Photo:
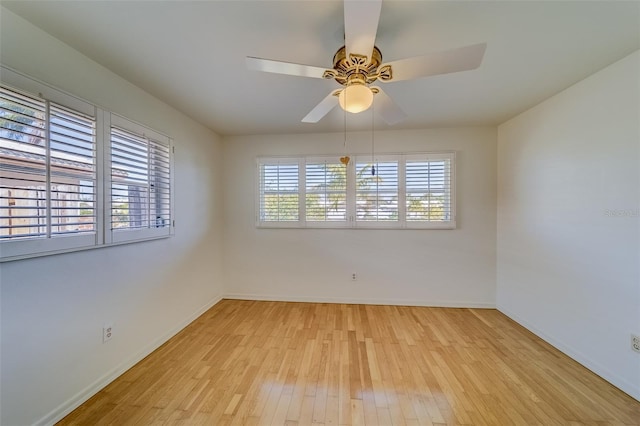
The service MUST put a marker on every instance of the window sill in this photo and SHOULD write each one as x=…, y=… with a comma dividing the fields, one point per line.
x=55, y=251
x=364, y=226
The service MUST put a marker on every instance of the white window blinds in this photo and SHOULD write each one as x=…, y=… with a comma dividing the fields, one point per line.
x=23, y=166
x=48, y=168
x=140, y=182
x=377, y=191
x=160, y=183
x=279, y=191
x=428, y=189
x=326, y=190
x=72, y=171
x=74, y=176
x=392, y=191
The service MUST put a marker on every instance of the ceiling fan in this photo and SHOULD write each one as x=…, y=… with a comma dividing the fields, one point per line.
x=358, y=64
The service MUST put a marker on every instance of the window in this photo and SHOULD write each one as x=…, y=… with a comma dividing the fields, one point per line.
x=23, y=163
x=48, y=163
x=428, y=188
x=377, y=191
x=72, y=170
x=52, y=158
x=393, y=191
x=325, y=191
x=140, y=182
x=47, y=173
x=279, y=191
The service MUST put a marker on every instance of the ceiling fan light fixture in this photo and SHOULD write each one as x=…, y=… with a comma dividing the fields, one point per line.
x=355, y=98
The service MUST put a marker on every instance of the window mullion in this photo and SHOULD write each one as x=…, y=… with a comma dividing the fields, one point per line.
x=100, y=194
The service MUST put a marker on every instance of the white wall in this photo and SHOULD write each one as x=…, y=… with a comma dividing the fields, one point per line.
x=416, y=267
x=566, y=269
x=53, y=308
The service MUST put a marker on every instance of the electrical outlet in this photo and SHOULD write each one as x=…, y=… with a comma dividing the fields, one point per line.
x=107, y=332
x=354, y=277
x=635, y=343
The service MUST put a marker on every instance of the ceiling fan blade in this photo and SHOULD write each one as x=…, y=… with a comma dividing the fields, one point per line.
x=360, y=26
x=323, y=108
x=387, y=108
x=454, y=60
x=279, y=67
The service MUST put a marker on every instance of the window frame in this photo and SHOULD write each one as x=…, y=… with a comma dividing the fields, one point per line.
x=333, y=159
x=351, y=193
x=376, y=224
x=115, y=236
x=434, y=156
x=102, y=236
x=301, y=198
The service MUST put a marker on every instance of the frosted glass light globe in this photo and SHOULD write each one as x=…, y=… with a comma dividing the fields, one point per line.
x=355, y=98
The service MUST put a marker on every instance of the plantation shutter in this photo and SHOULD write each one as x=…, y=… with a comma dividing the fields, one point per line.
x=325, y=190
x=23, y=166
x=377, y=191
x=72, y=171
x=160, y=184
x=428, y=188
x=58, y=154
x=279, y=191
x=140, y=184
x=129, y=180
x=48, y=164
x=393, y=191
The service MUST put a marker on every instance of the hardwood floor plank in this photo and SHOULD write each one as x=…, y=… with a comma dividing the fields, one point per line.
x=300, y=364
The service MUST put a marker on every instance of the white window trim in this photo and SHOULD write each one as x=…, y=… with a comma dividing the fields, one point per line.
x=103, y=236
x=441, y=155
x=114, y=236
x=351, y=222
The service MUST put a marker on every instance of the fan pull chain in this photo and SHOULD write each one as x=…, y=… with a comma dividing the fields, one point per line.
x=345, y=159
x=345, y=124
x=373, y=144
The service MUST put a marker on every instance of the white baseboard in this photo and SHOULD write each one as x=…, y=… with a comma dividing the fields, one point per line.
x=75, y=401
x=621, y=383
x=360, y=301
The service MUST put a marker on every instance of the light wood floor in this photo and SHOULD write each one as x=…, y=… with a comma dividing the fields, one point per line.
x=263, y=363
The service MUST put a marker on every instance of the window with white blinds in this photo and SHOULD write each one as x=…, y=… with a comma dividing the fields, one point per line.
x=392, y=191
x=377, y=191
x=279, y=185
x=48, y=168
x=140, y=182
x=54, y=150
x=23, y=166
x=140, y=193
x=325, y=190
x=72, y=159
x=428, y=188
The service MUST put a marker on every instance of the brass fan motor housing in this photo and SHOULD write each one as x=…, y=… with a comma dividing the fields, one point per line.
x=357, y=67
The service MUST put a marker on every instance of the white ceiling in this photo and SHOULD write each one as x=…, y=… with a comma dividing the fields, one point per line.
x=191, y=54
